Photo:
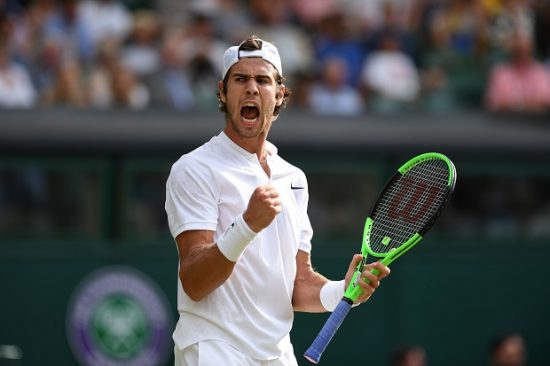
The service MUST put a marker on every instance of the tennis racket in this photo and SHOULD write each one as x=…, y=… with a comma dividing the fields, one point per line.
x=407, y=208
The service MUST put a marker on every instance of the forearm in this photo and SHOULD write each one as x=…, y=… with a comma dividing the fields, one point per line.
x=307, y=289
x=307, y=286
x=205, y=265
x=203, y=270
x=311, y=294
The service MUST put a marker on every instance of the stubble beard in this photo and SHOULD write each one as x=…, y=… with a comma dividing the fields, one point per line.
x=248, y=132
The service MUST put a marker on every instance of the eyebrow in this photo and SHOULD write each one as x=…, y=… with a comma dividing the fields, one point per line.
x=247, y=76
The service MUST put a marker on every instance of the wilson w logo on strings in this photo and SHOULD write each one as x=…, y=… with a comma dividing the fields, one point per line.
x=412, y=200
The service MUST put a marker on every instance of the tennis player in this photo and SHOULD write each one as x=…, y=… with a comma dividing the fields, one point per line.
x=238, y=213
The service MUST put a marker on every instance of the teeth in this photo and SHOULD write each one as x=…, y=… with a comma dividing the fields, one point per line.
x=250, y=105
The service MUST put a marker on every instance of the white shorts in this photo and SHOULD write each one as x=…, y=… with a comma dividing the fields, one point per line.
x=216, y=353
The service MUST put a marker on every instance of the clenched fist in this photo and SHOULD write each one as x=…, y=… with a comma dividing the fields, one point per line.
x=263, y=206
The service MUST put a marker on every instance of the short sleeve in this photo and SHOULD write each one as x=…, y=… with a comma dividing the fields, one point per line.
x=302, y=199
x=191, y=198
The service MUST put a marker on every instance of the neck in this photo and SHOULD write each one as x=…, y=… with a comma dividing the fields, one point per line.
x=254, y=144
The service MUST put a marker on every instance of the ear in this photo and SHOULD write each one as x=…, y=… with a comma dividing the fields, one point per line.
x=280, y=95
x=223, y=97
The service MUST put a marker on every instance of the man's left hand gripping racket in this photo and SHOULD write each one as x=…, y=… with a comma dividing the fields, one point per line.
x=406, y=209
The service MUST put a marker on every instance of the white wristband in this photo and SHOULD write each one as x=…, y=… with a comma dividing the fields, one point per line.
x=235, y=239
x=331, y=294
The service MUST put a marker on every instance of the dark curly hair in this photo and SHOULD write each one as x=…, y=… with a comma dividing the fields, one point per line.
x=251, y=44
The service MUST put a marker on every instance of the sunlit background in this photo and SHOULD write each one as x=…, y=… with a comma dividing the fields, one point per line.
x=99, y=98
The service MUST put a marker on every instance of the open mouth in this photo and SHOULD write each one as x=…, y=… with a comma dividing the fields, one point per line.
x=250, y=112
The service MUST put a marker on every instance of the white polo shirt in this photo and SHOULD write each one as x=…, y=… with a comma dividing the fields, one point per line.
x=206, y=190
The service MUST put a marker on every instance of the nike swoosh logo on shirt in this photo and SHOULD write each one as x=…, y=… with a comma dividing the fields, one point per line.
x=294, y=187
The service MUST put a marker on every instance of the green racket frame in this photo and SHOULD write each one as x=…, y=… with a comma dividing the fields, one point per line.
x=353, y=291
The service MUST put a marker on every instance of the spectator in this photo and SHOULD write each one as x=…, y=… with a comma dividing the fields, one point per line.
x=450, y=42
x=272, y=22
x=514, y=17
x=170, y=85
x=507, y=350
x=68, y=87
x=301, y=93
x=106, y=19
x=331, y=95
x=27, y=38
x=461, y=26
x=390, y=76
x=309, y=13
x=457, y=32
x=16, y=88
x=372, y=14
x=111, y=84
x=66, y=26
x=128, y=91
x=436, y=90
x=336, y=38
x=46, y=63
x=392, y=22
x=140, y=54
x=408, y=356
x=232, y=21
x=201, y=53
x=99, y=80
x=521, y=84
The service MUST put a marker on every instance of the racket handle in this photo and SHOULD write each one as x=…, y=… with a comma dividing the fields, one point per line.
x=315, y=351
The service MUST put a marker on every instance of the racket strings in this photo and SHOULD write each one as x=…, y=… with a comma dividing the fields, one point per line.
x=409, y=204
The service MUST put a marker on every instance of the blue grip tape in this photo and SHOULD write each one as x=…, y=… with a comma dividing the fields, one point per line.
x=315, y=351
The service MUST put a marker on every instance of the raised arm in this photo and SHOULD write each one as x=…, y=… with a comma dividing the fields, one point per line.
x=205, y=265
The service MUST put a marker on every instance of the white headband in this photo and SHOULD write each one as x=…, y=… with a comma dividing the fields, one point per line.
x=267, y=52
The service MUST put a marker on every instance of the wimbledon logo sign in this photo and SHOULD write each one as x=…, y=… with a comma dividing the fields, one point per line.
x=118, y=316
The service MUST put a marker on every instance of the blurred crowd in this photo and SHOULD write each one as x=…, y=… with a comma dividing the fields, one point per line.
x=340, y=57
x=505, y=349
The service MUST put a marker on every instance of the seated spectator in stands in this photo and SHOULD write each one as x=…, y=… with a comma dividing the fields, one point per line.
x=521, y=84
x=436, y=91
x=106, y=19
x=201, y=53
x=331, y=95
x=140, y=53
x=128, y=91
x=308, y=13
x=507, y=350
x=68, y=86
x=66, y=26
x=461, y=25
x=514, y=17
x=27, y=37
x=373, y=14
x=232, y=21
x=111, y=84
x=408, y=356
x=272, y=22
x=392, y=21
x=457, y=45
x=335, y=37
x=16, y=88
x=390, y=76
x=301, y=92
x=170, y=86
